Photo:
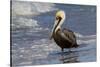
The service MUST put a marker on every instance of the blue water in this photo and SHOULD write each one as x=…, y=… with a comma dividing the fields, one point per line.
x=31, y=44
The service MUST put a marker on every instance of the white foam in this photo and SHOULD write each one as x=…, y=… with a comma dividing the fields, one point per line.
x=19, y=22
x=85, y=39
x=84, y=36
x=45, y=43
x=91, y=41
x=21, y=10
x=31, y=8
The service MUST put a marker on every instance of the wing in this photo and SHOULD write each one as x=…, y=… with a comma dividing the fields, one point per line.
x=71, y=36
x=68, y=35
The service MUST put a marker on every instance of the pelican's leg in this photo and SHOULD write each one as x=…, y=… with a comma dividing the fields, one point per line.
x=62, y=49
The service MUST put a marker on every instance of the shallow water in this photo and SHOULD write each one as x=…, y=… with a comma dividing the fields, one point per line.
x=30, y=34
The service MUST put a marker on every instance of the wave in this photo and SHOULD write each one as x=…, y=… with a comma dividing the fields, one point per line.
x=31, y=8
x=41, y=48
x=78, y=35
x=21, y=21
x=22, y=13
x=51, y=45
x=85, y=39
x=44, y=48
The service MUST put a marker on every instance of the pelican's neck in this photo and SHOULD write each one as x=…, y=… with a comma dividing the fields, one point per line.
x=59, y=25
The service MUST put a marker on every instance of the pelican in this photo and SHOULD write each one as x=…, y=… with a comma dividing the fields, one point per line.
x=64, y=38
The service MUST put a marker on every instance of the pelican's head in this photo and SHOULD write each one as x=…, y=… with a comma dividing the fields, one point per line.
x=59, y=19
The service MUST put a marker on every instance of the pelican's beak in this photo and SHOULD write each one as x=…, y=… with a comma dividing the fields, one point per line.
x=54, y=28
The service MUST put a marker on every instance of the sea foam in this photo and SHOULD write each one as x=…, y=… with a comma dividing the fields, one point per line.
x=23, y=13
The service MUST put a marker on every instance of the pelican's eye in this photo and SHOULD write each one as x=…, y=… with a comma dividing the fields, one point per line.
x=58, y=18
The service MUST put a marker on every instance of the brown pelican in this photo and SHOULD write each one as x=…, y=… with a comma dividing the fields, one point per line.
x=64, y=38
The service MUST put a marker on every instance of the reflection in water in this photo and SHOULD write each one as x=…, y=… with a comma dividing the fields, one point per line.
x=69, y=57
